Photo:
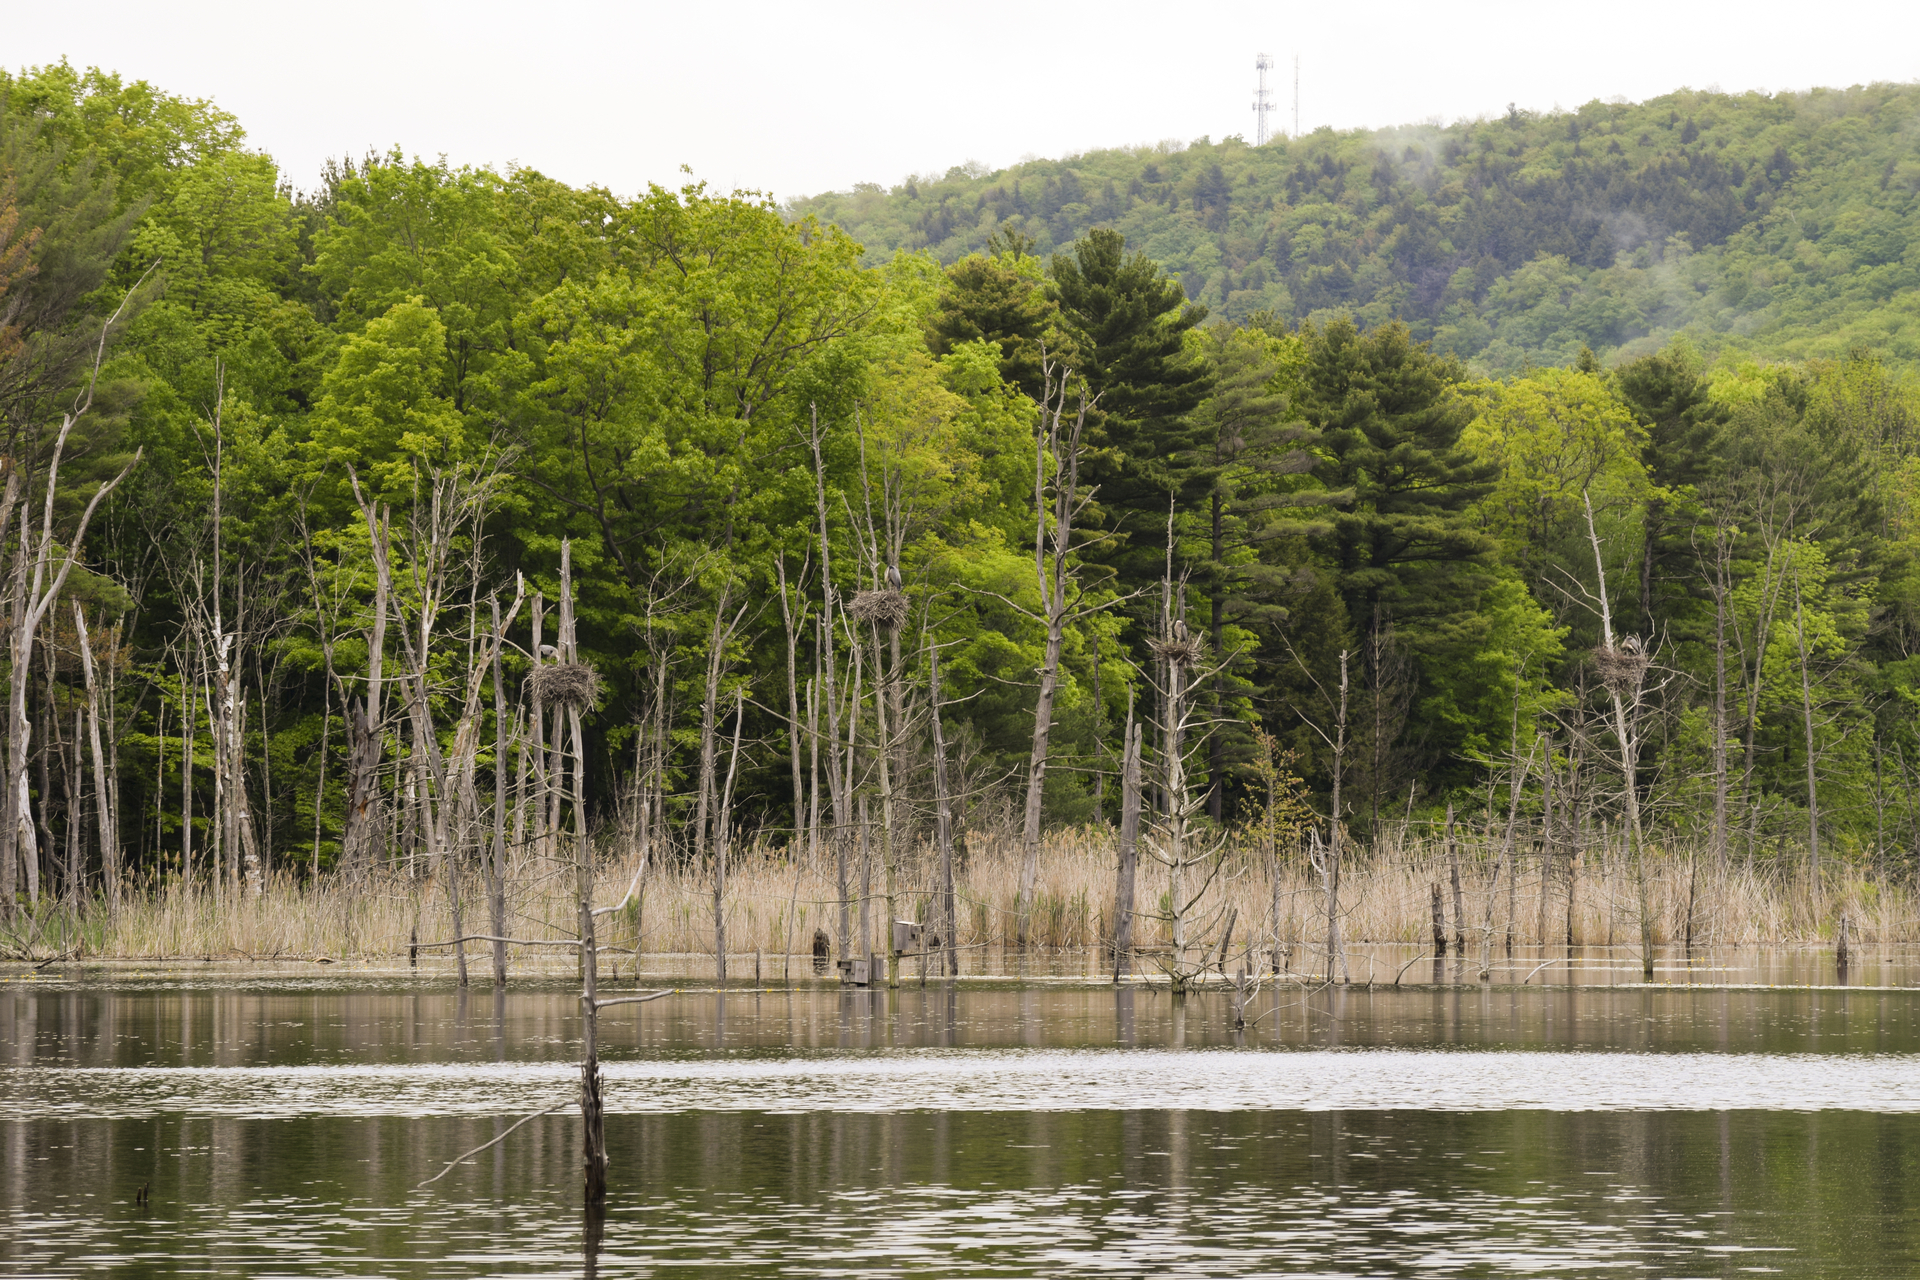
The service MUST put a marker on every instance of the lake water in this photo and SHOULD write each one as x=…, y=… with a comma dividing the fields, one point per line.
x=282, y=1122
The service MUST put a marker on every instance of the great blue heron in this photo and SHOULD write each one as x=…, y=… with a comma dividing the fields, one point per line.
x=893, y=577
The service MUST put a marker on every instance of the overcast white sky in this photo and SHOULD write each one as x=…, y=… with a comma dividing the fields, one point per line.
x=797, y=98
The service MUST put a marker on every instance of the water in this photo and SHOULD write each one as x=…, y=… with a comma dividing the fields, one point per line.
x=283, y=1122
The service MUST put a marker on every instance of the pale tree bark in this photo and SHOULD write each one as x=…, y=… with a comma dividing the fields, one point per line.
x=497, y=897
x=1336, y=953
x=948, y=921
x=108, y=827
x=1129, y=850
x=38, y=581
x=840, y=792
x=1623, y=679
x=1193, y=858
x=1057, y=500
x=793, y=625
x=722, y=843
x=366, y=720
x=592, y=1108
x=1806, y=712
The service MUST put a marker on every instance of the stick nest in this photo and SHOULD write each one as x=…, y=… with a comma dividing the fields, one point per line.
x=1623, y=666
x=884, y=609
x=565, y=684
x=1180, y=649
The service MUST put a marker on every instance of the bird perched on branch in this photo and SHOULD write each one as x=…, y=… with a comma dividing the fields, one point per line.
x=548, y=652
x=893, y=577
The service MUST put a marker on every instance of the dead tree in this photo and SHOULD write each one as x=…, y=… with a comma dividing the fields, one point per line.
x=1623, y=670
x=1193, y=859
x=722, y=833
x=945, y=915
x=839, y=782
x=1327, y=859
x=107, y=826
x=38, y=581
x=1129, y=850
x=1057, y=501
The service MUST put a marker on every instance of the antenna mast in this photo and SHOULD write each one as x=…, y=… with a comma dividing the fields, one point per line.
x=1262, y=101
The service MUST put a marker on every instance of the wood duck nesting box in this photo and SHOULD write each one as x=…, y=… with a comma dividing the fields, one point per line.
x=908, y=937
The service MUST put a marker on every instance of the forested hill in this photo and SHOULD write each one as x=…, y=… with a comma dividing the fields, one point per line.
x=1783, y=226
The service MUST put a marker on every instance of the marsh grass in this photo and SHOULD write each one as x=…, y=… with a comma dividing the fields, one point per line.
x=775, y=904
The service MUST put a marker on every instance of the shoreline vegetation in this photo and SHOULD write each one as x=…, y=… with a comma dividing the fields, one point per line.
x=775, y=905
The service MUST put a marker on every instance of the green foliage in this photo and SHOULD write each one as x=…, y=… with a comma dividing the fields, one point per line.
x=1778, y=225
x=1355, y=394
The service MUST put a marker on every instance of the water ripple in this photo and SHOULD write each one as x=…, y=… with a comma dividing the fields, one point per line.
x=961, y=1080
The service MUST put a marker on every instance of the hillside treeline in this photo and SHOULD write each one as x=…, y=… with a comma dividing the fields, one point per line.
x=1778, y=226
x=285, y=472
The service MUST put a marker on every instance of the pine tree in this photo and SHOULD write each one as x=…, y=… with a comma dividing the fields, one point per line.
x=1390, y=429
x=1130, y=320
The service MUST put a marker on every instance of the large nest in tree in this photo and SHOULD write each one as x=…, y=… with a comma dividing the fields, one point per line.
x=1180, y=649
x=884, y=609
x=565, y=684
x=1623, y=666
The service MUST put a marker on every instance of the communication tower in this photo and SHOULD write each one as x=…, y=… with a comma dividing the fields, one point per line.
x=1262, y=101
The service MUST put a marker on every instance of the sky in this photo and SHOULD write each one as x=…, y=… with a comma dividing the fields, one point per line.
x=793, y=99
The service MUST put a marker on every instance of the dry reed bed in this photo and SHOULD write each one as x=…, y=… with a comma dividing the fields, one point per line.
x=775, y=905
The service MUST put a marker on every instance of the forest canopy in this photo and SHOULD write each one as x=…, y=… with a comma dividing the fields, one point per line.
x=1586, y=441
x=1782, y=226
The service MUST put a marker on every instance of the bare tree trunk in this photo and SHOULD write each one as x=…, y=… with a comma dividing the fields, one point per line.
x=1459, y=902
x=1516, y=782
x=1336, y=954
x=830, y=673
x=364, y=725
x=189, y=717
x=1056, y=446
x=102, y=796
x=866, y=888
x=945, y=915
x=1546, y=834
x=1129, y=851
x=709, y=721
x=1625, y=731
x=883, y=735
x=722, y=838
x=497, y=895
x=792, y=627
x=32, y=598
x=1806, y=712
x=592, y=1108
x=34, y=594
x=1721, y=591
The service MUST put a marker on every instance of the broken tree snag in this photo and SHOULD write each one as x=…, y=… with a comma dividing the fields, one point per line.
x=570, y=686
